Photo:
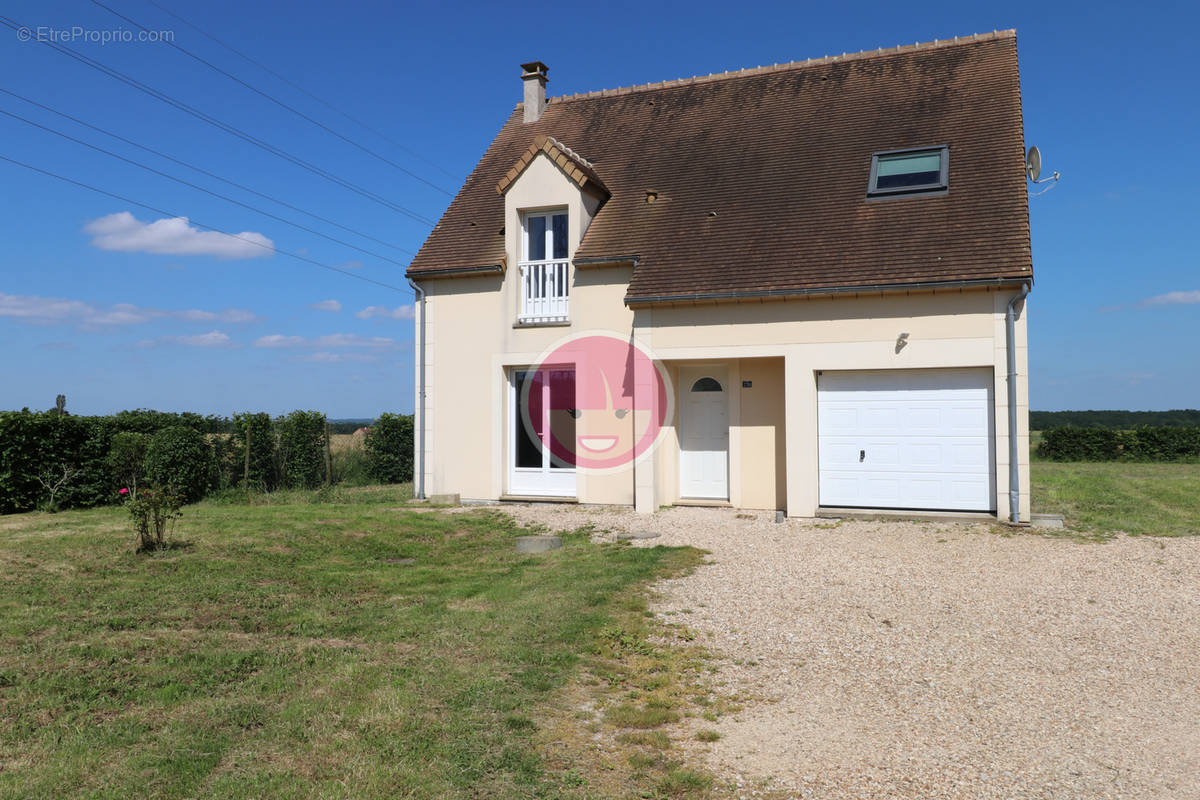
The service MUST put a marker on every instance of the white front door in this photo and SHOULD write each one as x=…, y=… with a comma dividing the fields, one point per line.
x=703, y=434
x=907, y=439
x=541, y=432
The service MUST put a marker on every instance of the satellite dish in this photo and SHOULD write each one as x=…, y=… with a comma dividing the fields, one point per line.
x=1033, y=164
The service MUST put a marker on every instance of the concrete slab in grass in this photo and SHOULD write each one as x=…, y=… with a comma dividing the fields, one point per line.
x=538, y=544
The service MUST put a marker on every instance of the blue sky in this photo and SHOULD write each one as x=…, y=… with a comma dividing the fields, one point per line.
x=116, y=312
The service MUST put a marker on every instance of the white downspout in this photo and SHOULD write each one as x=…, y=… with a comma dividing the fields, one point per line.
x=1014, y=472
x=420, y=476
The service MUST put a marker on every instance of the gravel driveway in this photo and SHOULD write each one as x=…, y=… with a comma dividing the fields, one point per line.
x=931, y=660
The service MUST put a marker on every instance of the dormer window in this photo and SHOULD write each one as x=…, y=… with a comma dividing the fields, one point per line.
x=909, y=171
x=545, y=236
x=544, y=272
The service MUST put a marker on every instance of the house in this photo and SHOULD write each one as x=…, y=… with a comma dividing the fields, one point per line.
x=794, y=287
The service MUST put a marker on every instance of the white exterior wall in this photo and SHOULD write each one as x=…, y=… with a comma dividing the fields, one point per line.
x=472, y=339
x=946, y=329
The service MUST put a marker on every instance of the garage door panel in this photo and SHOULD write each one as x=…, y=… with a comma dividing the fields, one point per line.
x=843, y=454
x=907, y=439
x=841, y=419
x=924, y=419
x=927, y=454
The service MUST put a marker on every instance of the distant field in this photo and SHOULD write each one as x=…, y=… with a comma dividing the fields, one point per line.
x=1112, y=497
x=339, y=442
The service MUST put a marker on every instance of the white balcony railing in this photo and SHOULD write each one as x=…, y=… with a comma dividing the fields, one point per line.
x=544, y=292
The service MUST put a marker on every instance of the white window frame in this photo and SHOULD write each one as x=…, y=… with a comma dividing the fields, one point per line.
x=549, y=215
x=547, y=309
x=543, y=480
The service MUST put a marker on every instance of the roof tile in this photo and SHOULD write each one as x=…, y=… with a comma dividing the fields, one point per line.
x=782, y=155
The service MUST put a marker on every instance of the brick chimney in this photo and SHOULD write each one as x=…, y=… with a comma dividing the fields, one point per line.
x=534, y=76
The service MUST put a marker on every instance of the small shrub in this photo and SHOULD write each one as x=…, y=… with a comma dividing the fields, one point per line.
x=389, y=447
x=152, y=511
x=178, y=458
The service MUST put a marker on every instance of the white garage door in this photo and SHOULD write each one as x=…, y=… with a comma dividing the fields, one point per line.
x=907, y=439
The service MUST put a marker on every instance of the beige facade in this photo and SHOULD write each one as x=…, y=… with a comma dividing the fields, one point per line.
x=770, y=354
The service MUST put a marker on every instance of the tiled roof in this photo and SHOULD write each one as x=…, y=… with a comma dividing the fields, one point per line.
x=573, y=165
x=761, y=175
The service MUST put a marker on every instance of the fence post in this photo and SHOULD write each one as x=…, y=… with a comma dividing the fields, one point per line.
x=328, y=457
x=246, y=476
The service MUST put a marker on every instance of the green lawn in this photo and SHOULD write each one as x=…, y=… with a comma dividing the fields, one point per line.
x=315, y=649
x=1106, y=498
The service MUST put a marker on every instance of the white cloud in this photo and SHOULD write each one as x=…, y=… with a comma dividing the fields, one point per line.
x=279, y=340
x=400, y=312
x=353, y=340
x=125, y=233
x=328, y=342
x=60, y=311
x=1172, y=299
x=228, y=315
x=324, y=357
x=327, y=305
x=212, y=339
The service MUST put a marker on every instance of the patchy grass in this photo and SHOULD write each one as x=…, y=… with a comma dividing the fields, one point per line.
x=1107, y=498
x=316, y=645
x=645, y=682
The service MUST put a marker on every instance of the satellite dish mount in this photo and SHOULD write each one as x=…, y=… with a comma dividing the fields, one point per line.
x=1033, y=171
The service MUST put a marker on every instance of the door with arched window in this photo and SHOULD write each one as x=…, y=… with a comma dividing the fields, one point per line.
x=703, y=433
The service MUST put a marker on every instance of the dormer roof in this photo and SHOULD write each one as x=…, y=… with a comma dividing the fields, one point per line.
x=573, y=165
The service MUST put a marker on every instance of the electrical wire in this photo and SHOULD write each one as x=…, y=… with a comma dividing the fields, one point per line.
x=156, y=210
x=220, y=125
x=301, y=89
x=197, y=187
x=201, y=170
x=278, y=102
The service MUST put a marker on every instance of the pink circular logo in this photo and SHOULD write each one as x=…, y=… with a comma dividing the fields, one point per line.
x=596, y=401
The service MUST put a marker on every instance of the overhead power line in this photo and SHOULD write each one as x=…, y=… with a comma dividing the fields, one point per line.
x=148, y=168
x=278, y=102
x=224, y=126
x=165, y=213
x=302, y=90
x=201, y=170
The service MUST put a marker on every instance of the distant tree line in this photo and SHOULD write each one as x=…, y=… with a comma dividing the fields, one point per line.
x=51, y=459
x=1121, y=420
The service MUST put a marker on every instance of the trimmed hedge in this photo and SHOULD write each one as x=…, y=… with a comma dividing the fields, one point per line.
x=389, y=448
x=1144, y=443
x=264, y=473
x=180, y=458
x=195, y=454
x=301, y=449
